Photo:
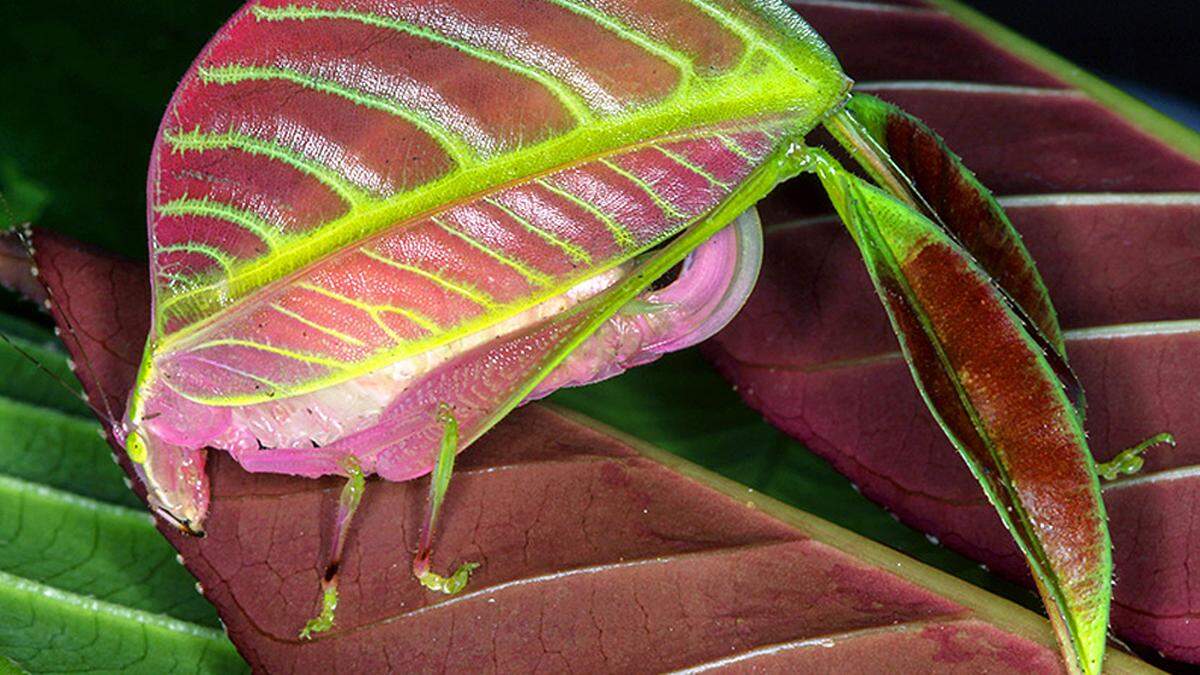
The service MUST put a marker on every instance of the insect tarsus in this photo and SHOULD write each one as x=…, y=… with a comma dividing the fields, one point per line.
x=438, y=483
x=348, y=502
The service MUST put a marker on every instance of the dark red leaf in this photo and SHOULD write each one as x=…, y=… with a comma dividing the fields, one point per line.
x=107, y=337
x=1086, y=189
x=598, y=554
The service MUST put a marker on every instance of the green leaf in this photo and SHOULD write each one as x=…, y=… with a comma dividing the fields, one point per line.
x=43, y=629
x=86, y=581
x=21, y=199
x=61, y=451
x=40, y=376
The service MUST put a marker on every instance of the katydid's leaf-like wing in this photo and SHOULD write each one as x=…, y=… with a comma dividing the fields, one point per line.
x=1105, y=196
x=990, y=386
x=452, y=276
x=341, y=185
x=598, y=553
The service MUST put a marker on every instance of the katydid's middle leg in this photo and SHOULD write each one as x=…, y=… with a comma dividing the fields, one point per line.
x=347, y=504
x=439, y=481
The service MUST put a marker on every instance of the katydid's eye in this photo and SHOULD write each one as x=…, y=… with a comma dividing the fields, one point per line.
x=135, y=447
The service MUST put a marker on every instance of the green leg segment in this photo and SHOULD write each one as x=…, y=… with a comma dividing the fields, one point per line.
x=1130, y=461
x=438, y=483
x=876, y=161
x=348, y=502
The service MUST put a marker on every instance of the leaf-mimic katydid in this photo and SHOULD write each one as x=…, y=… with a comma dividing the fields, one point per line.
x=377, y=226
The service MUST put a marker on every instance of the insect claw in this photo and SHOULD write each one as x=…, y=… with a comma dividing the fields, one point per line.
x=450, y=585
x=324, y=620
x=1130, y=461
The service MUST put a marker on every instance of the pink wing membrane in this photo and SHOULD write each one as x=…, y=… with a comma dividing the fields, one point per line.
x=403, y=443
x=422, y=284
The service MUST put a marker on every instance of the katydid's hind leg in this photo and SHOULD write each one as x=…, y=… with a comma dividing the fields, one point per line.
x=439, y=480
x=347, y=504
x=1129, y=461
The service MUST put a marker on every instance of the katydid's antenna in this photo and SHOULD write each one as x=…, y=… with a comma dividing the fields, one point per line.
x=41, y=366
x=23, y=235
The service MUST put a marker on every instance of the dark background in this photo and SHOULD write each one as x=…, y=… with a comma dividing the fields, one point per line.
x=1148, y=47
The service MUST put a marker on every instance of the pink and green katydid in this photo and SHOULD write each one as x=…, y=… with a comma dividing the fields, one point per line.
x=377, y=227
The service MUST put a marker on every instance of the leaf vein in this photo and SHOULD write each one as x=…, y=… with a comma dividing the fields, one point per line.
x=569, y=99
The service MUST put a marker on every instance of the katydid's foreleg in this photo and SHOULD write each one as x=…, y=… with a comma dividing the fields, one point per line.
x=438, y=482
x=347, y=504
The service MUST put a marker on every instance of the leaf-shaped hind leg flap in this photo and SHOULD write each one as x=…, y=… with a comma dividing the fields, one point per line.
x=989, y=384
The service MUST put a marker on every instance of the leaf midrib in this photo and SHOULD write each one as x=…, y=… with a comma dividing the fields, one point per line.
x=573, y=148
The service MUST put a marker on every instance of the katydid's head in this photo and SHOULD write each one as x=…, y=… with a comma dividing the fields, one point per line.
x=170, y=468
x=176, y=486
